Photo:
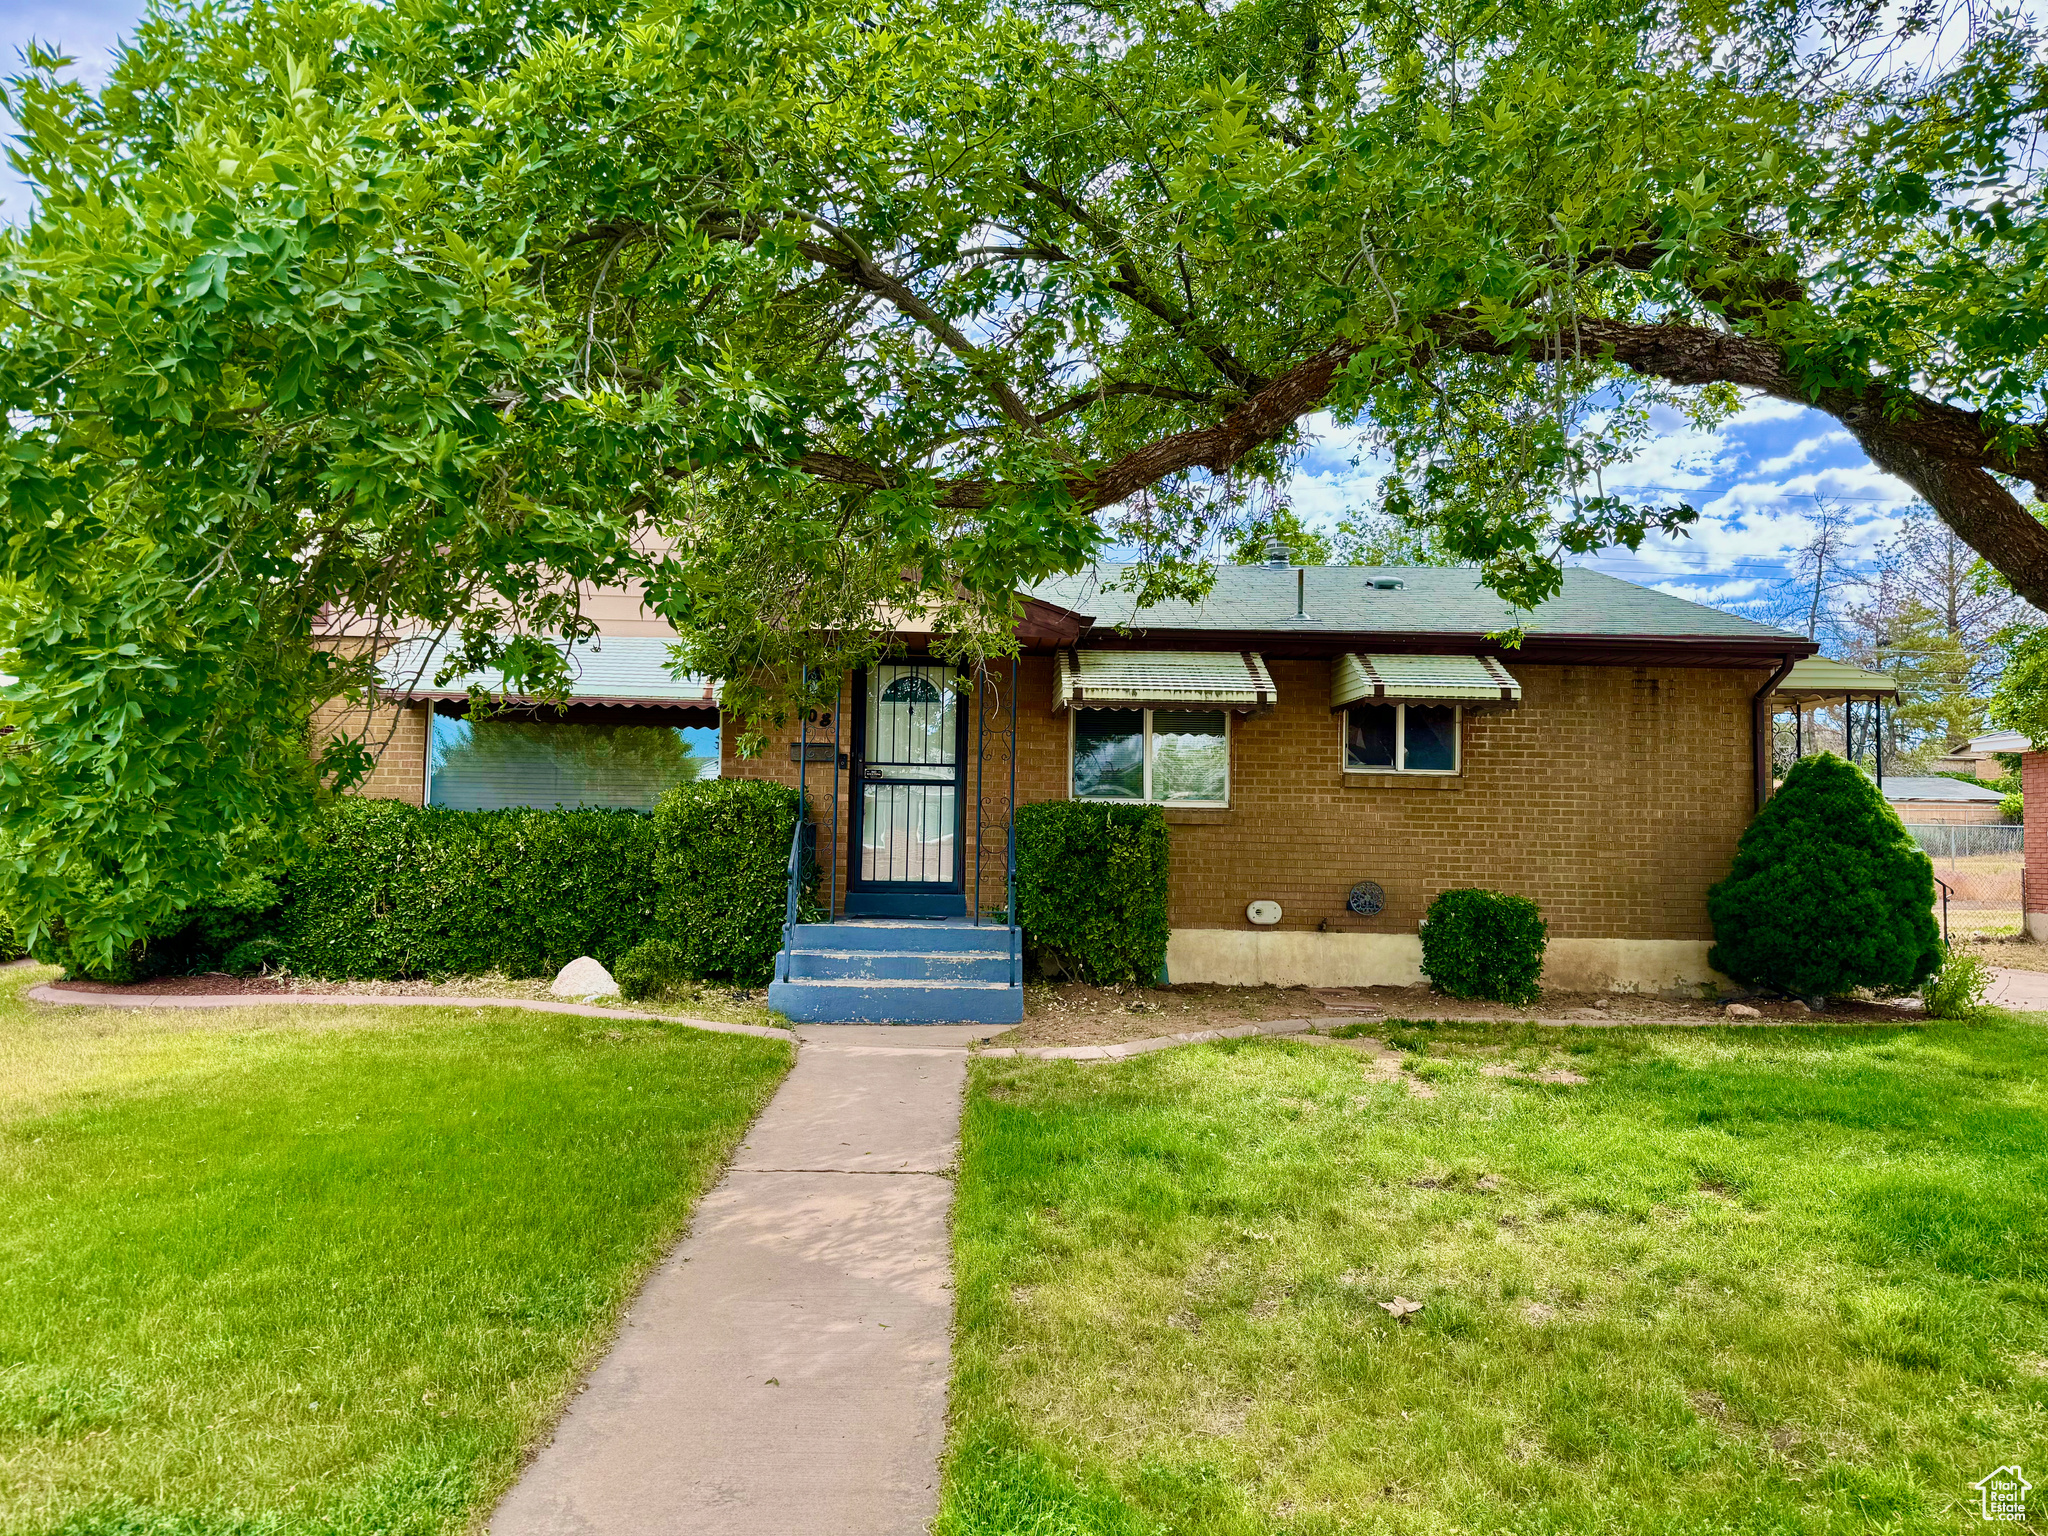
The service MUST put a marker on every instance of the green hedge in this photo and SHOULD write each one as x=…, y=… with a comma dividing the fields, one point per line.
x=383, y=890
x=721, y=862
x=1829, y=891
x=389, y=890
x=1484, y=944
x=1092, y=887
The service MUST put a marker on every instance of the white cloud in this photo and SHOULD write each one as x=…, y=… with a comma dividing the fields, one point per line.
x=1801, y=452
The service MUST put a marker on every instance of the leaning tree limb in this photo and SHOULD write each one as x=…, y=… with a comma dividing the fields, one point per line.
x=1950, y=456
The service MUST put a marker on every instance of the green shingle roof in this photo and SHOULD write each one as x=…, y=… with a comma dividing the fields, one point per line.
x=1342, y=599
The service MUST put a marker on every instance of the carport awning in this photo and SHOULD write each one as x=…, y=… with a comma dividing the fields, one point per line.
x=1164, y=680
x=1819, y=678
x=1477, y=682
x=627, y=671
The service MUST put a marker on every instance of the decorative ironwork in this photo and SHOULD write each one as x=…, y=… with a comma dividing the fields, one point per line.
x=911, y=776
x=1366, y=898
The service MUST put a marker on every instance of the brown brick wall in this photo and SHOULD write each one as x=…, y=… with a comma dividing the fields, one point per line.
x=1614, y=797
x=398, y=737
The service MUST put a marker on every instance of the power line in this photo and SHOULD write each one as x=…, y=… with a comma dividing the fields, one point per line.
x=1689, y=490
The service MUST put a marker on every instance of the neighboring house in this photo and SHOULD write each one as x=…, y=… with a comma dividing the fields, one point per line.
x=1922, y=802
x=1305, y=731
x=1980, y=754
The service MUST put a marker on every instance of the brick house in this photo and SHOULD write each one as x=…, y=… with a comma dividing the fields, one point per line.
x=1308, y=732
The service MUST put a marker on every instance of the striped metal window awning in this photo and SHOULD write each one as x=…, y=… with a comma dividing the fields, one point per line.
x=630, y=671
x=1164, y=679
x=1477, y=682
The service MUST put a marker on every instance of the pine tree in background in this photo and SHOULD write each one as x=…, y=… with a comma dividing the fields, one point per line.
x=1828, y=892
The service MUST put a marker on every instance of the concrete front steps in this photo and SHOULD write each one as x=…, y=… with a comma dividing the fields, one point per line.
x=899, y=971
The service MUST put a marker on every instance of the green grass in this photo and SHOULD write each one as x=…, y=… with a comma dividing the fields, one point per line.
x=1740, y=1281
x=295, y=1270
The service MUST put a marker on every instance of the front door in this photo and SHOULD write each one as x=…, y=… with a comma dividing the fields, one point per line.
x=908, y=753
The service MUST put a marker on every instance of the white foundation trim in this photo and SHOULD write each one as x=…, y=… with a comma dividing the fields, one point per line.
x=1241, y=958
x=2036, y=927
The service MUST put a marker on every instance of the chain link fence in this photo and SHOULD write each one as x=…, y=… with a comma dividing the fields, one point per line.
x=1965, y=840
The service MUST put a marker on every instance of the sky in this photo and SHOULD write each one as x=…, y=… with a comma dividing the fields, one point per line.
x=1755, y=480
x=85, y=29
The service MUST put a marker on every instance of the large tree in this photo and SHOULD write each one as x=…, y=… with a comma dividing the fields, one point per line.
x=431, y=312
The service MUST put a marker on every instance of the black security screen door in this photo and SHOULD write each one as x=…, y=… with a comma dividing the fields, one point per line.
x=906, y=835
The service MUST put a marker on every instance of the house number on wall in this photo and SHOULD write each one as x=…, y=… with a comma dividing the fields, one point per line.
x=1366, y=898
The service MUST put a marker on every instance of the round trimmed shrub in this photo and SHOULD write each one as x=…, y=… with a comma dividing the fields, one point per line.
x=1829, y=892
x=1484, y=944
x=649, y=969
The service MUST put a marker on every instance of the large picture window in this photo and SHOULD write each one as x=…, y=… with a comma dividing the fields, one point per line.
x=1401, y=738
x=490, y=765
x=1169, y=756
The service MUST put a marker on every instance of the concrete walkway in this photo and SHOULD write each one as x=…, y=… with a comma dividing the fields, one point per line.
x=2022, y=991
x=784, y=1370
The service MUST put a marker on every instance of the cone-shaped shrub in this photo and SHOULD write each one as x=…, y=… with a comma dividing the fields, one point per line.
x=1828, y=891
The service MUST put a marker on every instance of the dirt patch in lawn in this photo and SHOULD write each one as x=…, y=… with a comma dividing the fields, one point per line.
x=1072, y=1013
x=2011, y=951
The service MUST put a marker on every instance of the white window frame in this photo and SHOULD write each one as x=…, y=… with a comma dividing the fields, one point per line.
x=1400, y=709
x=1073, y=727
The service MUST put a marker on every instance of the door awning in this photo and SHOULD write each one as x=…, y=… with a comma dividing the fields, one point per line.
x=1477, y=682
x=624, y=670
x=1164, y=680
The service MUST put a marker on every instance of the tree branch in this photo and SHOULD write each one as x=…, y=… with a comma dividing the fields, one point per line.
x=1132, y=285
x=1950, y=456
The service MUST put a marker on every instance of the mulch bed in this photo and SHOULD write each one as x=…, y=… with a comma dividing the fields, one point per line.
x=199, y=986
x=1073, y=1013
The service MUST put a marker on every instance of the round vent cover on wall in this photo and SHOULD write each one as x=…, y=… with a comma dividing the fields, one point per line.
x=1366, y=898
x=1264, y=913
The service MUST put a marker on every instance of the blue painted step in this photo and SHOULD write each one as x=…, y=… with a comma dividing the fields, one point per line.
x=881, y=933
x=899, y=965
x=882, y=971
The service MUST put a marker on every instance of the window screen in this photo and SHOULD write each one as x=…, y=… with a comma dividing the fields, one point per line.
x=1152, y=754
x=1431, y=744
x=1402, y=738
x=488, y=765
x=1370, y=736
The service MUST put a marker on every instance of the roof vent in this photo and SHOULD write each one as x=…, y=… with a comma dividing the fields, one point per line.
x=1278, y=553
x=1388, y=583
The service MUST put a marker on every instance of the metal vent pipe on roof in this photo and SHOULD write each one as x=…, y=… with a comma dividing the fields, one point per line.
x=1278, y=554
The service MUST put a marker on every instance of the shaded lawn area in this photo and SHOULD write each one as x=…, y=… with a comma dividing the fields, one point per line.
x=291, y=1270
x=1741, y=1280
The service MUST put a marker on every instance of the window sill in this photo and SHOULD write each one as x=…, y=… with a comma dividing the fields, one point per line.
x=1197, y=815
x=1357, y=778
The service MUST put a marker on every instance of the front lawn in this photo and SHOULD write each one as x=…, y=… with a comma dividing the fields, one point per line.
x=285, y=1270
x=1736, y=1281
